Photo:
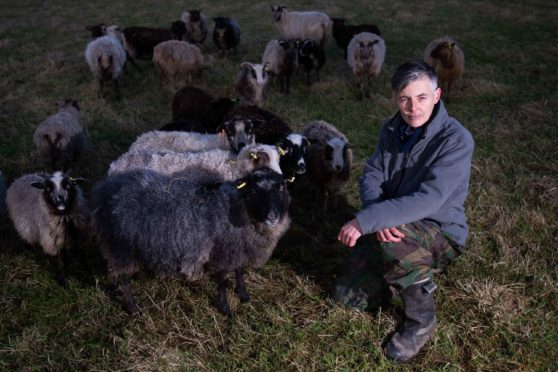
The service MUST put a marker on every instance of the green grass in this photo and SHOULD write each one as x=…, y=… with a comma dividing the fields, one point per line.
x=497, y=306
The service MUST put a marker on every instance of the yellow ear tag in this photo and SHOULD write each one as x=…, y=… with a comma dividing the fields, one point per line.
x=253, y=156
x=281, y=151
x=291, y=180
x=243, y=184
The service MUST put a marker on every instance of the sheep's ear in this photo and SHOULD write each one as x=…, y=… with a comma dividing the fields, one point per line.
x=38, y=185
x=452, y=45
x=76, y=181
x=246, y=65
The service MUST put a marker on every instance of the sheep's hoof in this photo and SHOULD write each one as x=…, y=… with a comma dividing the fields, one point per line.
x=132, y=308
x=61, y=279
x=243, y=295
x=224, y=309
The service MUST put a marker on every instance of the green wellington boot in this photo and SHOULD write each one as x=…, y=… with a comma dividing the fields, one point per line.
x=419, y=323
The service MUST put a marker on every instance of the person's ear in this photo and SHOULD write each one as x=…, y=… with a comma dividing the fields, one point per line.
x=437, y=95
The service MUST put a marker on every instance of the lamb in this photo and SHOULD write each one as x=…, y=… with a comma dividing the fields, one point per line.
x=49, y=210
x=106, y=57
x=252, y=83
x=302, y=25
x=177, y=60
x=207, y=166
x=234, y=135
x=281, y=59
x=140, y=41
x=216, y=228
x=60, y=139
x=196, y=104
x=343, y=33
x=366, y=54
x=447, y=59
x=226, y=34
x=196, y=26
x=311, y=55
x=329, y=159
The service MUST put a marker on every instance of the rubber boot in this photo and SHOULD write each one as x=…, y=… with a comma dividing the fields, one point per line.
x=419, y=323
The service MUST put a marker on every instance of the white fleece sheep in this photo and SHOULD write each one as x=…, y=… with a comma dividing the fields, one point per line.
x=106, y=56
x=205, y=166
x=180, y=141
x=59, y=139
x=302, y=25
x=177, y=62
x=252, y=83
x=365, y=55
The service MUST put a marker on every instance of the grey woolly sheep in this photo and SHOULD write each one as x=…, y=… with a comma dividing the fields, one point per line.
x=366, y=54
x=343, y=33
x=329, y=159
x=176, y=62
x=252, y=83
x=302, y=25
x=49, y=211
x=234, y=135
x=106, y=57
x=196, y=26
x=216, y=228
x=447, y=59
x=226, y=34
x=192, y=103
x=59, y=139
x=281, y=59
x=193, y=165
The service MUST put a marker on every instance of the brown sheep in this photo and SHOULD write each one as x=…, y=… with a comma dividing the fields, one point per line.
x=447, y=59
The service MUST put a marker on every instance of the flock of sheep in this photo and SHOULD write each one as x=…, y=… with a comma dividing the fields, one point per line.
x=208, y=192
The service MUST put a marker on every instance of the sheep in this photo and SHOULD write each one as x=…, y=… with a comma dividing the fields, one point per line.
x=234, y=135
x=268, y=127
x=140, y=41
x=226, y=34
x=207, y=166
x=175, y=60
x=106, y=57
x=195, y=104
x=343, y=33
x=60, y=139
x=252, y=83
x=216, y=228
x=196, y=26
x=311, y=55
x=281, y=58
x=2, y=197
x=302, y=25
x=447, y=59
x=329, y=159
x=366, y=54
x=49, y=210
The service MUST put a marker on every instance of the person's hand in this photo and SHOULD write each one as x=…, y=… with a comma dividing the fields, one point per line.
x=389, y=235
x=349, y=233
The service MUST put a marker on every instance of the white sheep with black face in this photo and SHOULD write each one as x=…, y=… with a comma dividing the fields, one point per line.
x=252, y=83
x=49, y=210
x=329, y=159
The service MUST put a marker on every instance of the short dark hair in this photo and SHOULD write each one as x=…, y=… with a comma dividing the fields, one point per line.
x=411, y=71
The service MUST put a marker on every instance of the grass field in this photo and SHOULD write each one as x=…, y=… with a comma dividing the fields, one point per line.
x=498, y=305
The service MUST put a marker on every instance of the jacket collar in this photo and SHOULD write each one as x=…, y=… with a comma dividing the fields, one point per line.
x=431, y=127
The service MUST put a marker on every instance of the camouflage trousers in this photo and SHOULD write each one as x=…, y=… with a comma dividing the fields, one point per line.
x=373, y=266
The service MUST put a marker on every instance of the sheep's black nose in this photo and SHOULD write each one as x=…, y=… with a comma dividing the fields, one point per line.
x=338, y=168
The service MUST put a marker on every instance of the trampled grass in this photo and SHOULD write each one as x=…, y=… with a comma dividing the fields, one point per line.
x=498, y=304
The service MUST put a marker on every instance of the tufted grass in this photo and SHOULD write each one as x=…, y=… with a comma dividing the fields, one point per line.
x=497, y=306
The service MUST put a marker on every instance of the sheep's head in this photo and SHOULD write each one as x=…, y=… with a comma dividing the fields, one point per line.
x=59, y=190
x=293, y=149
x=277, y=11
x=238, y=132
x=178, y=29
x=334, y=154
x=68, y=104
x=264, y=193
x=443, y=51
x=114, y=31
x=97, y=30
x=195, y=15
x=262, y=156
x=307, y=47
x=366, y=48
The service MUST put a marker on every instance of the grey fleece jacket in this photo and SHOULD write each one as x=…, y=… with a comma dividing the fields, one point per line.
x=430, y=181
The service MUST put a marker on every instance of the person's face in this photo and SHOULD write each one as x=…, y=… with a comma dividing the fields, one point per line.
x=416, y=101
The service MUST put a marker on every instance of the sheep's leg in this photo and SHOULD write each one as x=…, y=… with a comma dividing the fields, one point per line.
x=325, y=197
x=117, y=88
x=318, y=75
x=128, y=296
x=101, y=88
x=240, y=288
x=448, y=92
x=222, y=302
x=287, y=84
x=308, y=77
x=133, y=62
x=62, y=261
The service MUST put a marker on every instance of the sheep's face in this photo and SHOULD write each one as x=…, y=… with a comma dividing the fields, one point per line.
x=265, y=196
x=59, y=191
x=293, y=149
x=239, y=132
x=262, y=156
x=195, y=16
x=443, y=51
x=307, y=48
x=334, y=154
x=277, y=12
x=366, y=49
x=178, y=29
